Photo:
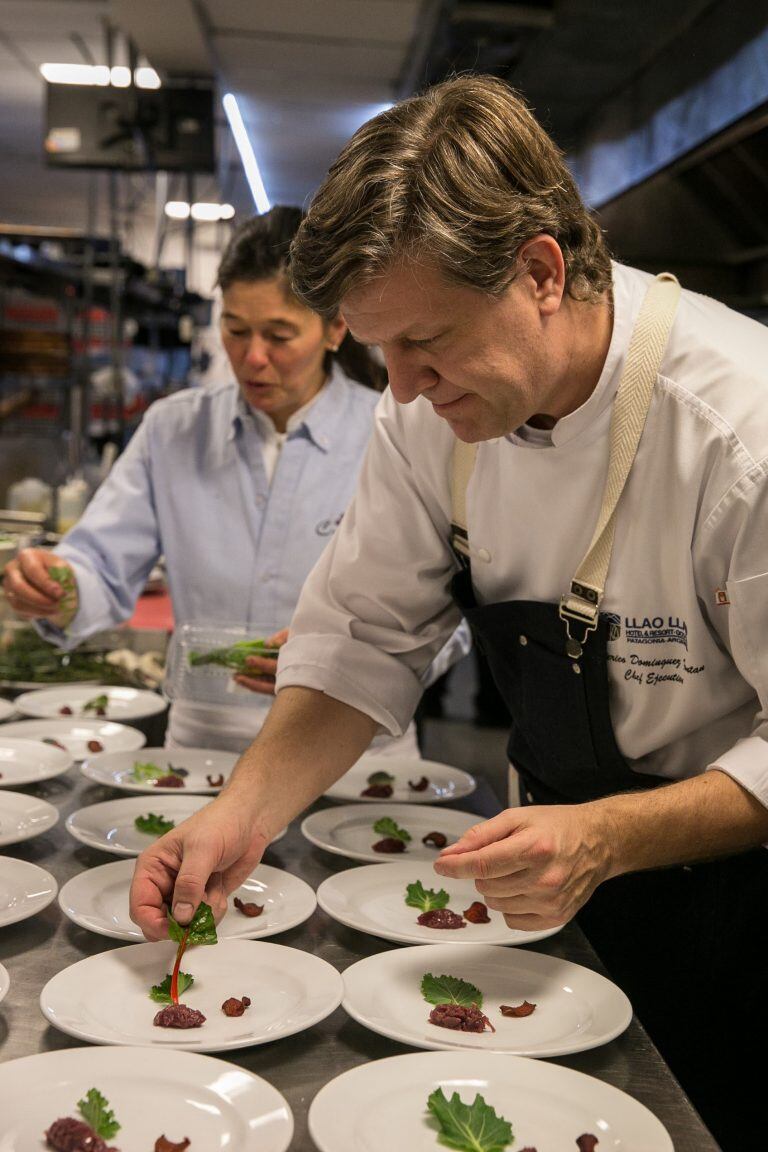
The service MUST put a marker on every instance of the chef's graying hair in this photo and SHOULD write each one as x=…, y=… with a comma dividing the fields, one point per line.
x=260, y=249
x=460, y=176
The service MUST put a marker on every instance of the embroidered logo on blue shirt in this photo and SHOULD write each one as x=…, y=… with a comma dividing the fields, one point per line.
x=328, y=527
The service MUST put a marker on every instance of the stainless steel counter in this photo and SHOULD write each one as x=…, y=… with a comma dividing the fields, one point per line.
x=35, y=949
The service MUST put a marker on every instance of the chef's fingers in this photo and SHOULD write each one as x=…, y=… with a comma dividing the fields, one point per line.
x=34, y=563
x=265, y=685
x=200, y=860
x=527, y=922
x=151, y=891
x=24, y=597
x=277, y=639
x=484, y=833
x=265, y=664
x=499, y=859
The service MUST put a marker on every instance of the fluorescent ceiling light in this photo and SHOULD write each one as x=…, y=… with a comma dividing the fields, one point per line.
x=177, y=209
x=202, y=211
x=252, y=173
x=120, y=76
x=146, y=78
x=76, y=74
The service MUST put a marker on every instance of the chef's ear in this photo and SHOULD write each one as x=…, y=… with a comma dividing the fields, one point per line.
x=335, y=331
x=542, y=261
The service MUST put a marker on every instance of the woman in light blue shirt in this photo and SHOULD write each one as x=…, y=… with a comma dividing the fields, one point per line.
x=240, y=486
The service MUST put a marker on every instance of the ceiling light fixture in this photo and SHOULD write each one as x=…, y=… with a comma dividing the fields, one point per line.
x=252, y=173
x=120, y=76
x=145, y=77
x=177, y=209
x=99, y=75
x=203, y=211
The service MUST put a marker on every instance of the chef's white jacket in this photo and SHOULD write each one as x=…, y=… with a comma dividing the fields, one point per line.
x=687, y=589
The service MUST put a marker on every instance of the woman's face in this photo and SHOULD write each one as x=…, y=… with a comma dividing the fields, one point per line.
x=276, y=346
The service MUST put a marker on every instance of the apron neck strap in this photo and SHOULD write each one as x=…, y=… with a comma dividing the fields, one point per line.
x=581, y=604
x=462, y=464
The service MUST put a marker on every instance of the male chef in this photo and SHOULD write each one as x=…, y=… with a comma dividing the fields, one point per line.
x=574, y=455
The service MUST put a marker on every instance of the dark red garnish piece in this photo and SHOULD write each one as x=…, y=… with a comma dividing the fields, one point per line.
x=587, y=1142
x=248, y=909
x=95, y=746
x=215, y=781
x=179, y=1016
x=65, y=710
x=100, y=711
x=477, y=913
x=528, y=1150
x=235, y=1007
x=389, y=844
x=438, y=839
x=162, y=1144
x=378, y=791
x=524, y=1009
x=69, y=1135
x=420, y=785
x=55, y=743
x=171, y=781
x=440, y=918
x=459, y=1018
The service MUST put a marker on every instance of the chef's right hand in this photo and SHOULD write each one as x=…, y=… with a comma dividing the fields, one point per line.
x=260, y=677
x=205, y=858
x=32, y=593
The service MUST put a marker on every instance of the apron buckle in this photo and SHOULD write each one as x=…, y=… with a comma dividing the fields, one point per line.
x=581, y=606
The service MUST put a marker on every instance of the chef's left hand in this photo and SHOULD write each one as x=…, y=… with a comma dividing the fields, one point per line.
x=262, y=679
x=537, y=865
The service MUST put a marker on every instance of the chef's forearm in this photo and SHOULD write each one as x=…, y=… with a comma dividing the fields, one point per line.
x=706, y=817
x=308, y=741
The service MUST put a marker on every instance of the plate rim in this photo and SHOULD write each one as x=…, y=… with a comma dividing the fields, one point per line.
x=45, y=749
x=35, y=720
x=112, y=850
x=410, y=810
x=446, y=1045
x=87, y=770
x=130, y=940
x=535, y=1068
x=249, y=1042
x=29, y=835
x=26, y=864
x=468, y=778
x=22, y=701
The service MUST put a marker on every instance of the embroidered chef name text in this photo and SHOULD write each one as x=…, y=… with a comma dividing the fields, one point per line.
x=656, y=670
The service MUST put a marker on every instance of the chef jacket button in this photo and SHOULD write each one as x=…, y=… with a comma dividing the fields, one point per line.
x=523, y=640
x=483, y=554
x=576, y=668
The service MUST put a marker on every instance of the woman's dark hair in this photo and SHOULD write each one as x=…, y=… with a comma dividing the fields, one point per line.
x=260, y=250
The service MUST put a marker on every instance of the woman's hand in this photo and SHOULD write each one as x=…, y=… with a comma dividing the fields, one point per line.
x=32, y=592
x=205, y=858
x=537, y=865
x=263, y=678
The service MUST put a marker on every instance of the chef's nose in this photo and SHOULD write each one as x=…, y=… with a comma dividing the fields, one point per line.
x=408, y=378
x=257, y=355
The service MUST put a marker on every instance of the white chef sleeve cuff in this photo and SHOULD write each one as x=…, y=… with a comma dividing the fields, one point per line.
x=355, y=673
x=747, y=764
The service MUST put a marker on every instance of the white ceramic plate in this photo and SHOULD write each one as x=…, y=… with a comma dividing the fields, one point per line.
x=110, y=826
x=348, y=831
x=383, y=1105
x=22, y=817
x=6, y=709
x=74, y=734
x=445, y=782
x=105, y=998
x=5, y=982
x=576, y=1008
x=25, y=890
x=216, y=1104
x=372, y=899
x=124, y=703
x=29, y=761
x=97, y=899
x=115, y=769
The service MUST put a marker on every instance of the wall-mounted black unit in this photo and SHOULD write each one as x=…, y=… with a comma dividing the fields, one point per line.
x=134, y=129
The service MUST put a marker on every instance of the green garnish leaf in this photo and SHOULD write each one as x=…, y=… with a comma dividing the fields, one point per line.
x=387, y=827
x=450, y=990
x=475, y=1128
x=147, y=771
x=235, y=656
x=153, y=824
x=417, y=896
x=162, y=992
x=97, y=703
x=95, y=1110
x=201, y=928
x=376, y=779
